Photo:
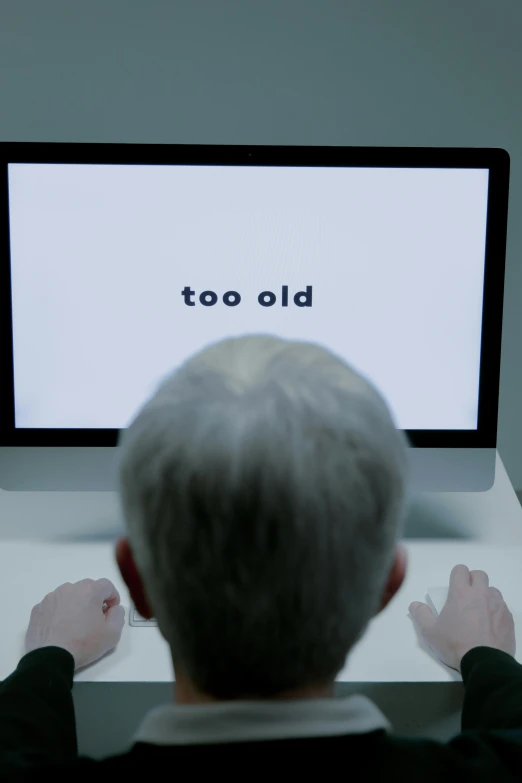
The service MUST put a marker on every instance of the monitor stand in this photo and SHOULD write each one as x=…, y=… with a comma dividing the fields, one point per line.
x=66, y=469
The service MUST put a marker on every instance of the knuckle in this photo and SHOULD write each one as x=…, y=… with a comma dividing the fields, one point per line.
x=84, y=583
x=65, y=588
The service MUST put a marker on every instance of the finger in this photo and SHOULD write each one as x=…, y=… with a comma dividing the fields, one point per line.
x=106, y=593
x=422, y=616
x=115, y=617
x=479, y=579
x=496, y=593
x=459, y=577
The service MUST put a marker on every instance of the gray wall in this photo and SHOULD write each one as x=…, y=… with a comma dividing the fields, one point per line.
x=357, y=72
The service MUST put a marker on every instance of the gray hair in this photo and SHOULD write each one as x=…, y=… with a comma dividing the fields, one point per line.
x=263, y=487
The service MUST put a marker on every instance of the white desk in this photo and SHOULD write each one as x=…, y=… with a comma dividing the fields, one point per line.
x=489, y=534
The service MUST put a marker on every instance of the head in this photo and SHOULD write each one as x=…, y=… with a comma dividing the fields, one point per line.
x=263, y=487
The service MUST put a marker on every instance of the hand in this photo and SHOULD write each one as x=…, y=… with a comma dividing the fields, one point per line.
x=84, y=618
x=474, y=615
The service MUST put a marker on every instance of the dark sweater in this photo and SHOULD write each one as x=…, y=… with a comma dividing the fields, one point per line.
x=38, y=737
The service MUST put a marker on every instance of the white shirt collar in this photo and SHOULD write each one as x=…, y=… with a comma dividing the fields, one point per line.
x=244, y=721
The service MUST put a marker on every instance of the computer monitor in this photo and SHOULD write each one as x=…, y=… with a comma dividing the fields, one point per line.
x=120, y=261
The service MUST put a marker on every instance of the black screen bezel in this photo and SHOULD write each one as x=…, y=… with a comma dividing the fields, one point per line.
x=495, y=160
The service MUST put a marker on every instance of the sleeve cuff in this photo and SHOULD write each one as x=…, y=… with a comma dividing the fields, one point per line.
x=480, y=655
x=56, y=657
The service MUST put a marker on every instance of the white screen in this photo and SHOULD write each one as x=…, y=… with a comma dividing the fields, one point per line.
x=100, y=255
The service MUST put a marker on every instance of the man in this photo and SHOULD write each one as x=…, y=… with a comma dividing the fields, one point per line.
x=263, y=487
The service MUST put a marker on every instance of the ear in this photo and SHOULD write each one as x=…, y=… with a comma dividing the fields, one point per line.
x=395, y=577
x=131, y=577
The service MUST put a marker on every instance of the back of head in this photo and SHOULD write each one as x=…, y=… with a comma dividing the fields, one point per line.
x=263, y=489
